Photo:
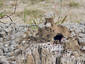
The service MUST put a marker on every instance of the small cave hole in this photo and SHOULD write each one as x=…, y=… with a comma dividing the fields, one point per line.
x=58, y=37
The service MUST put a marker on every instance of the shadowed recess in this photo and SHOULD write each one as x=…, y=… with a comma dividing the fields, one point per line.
x=58, y=37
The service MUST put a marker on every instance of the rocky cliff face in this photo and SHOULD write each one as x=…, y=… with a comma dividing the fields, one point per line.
x=19, y=45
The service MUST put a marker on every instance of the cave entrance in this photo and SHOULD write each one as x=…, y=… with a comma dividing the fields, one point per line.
x=58, y=37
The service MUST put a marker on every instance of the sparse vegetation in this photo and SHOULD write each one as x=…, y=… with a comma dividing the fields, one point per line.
x=37, y=1
x=61, y=20
x=34, y=13
x=74, y=4
x=2, y=15
x=1, y=3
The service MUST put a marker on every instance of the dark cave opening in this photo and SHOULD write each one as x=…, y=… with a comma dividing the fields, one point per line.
x=58, y=37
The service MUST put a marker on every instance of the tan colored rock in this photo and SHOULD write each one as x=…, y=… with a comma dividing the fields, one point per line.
x=61, y=29
x=72, y=44
x=46, y=57
x=39, y=56
x=36, y=56
x=58, y=28
x=30, y=59
x=48, y=33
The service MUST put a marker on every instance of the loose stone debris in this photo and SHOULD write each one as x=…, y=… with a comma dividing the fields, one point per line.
x=19, y=44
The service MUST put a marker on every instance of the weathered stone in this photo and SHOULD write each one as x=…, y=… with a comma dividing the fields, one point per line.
x=72, y=44
x=30, y=59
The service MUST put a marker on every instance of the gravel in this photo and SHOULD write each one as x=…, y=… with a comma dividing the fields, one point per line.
x=77, y=29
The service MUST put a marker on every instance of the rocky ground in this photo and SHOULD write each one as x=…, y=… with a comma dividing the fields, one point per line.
x=17, y=46
x=21, y=42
